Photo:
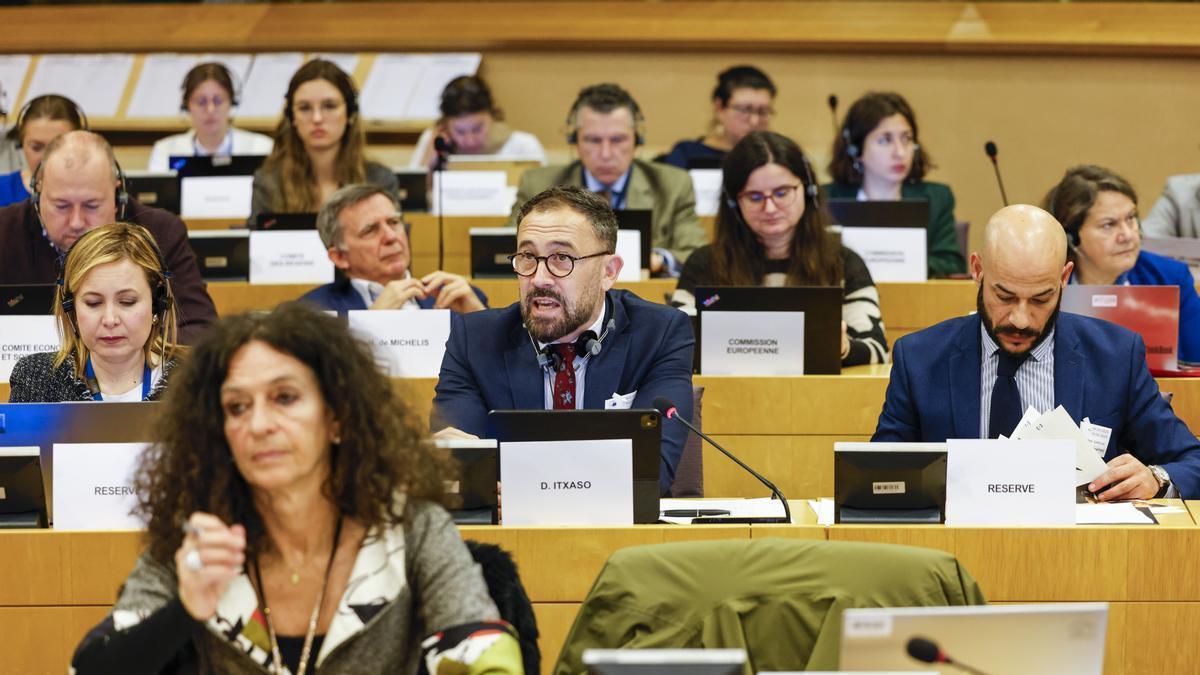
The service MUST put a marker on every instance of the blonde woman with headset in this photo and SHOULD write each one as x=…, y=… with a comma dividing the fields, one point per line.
x=116, y=316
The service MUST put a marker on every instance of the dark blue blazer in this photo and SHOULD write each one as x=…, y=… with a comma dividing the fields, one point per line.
x=341, y=297
x=1099, y=372
x=490, y=364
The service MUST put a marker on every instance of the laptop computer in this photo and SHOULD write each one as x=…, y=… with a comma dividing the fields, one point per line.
x=1149, y=311
x=900, y=213
x=1036, y=639
x=26, y=299
x=22, y=492
x=889, y=482
x=664, y=661
x=890, y=236
x=286, y=221
x=208, y=165
x=44, y=424
x=639, y=220
x=822, y=307
x=643, y=427
x=414, y=190
x=222, y=255
x=157, y=189
x=490, y=248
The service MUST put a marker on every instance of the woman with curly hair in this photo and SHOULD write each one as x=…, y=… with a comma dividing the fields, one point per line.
x=292, y=522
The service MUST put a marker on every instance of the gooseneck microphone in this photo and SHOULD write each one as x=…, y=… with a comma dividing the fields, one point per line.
x=441, y=148
x=928, y=651
x=990, y=149
x=663, y=405
x=833, y=103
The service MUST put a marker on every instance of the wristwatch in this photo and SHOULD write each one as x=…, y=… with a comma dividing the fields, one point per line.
x=1164, y=479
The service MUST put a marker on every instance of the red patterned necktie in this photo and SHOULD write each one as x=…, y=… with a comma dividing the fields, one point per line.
x=564, y=378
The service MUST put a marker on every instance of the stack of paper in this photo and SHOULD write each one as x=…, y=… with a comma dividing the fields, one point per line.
x=1091, y=441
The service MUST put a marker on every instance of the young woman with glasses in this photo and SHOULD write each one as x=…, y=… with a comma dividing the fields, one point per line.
x=742, y=102
x=877, y=157
x=319, y=145
x=771, y=232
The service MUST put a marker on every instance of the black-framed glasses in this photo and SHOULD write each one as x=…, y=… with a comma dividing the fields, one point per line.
x=558, y=264
x=783, y=196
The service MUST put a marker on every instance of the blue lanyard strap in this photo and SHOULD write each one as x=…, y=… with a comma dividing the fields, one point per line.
x=97, y=396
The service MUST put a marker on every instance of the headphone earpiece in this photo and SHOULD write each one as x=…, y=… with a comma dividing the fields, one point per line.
x=852, y=150
x=1073, y=238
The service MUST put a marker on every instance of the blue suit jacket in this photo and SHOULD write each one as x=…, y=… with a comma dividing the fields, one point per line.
x=1156, y=270
x=341, y=297
x=1099, y=372
x=490, y=364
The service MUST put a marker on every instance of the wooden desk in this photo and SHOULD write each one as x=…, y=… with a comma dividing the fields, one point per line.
x=1149, y=575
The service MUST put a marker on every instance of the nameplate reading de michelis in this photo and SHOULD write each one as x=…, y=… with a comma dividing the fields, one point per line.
x=1010, y=483
x=567, y=482
x=891, y=253
x=93, y=485
x=752, y=343
x=289, y=257
x=24, y=335
x=406, y=342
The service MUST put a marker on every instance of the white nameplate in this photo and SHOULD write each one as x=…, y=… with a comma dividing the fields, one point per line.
x=891, y=253
x=567, y=482
x=752, y=343
x=215, y=196
x=289, y=257
x=472, y=193
x=629, y=247
x=93, y=485
x=407, y=343
x=24, y=335
x=1010, y=483
x=707, y=185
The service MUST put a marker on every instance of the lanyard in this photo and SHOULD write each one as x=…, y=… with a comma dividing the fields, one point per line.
x=97, y=396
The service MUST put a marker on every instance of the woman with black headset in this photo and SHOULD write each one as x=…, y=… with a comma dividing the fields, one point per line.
x=40, y=121
x=319, y=145
x=878, y=157
x=116, y=315
x=771, y=231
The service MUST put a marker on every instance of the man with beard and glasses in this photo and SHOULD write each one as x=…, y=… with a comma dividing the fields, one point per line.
x=566, y=266
x=973, y=376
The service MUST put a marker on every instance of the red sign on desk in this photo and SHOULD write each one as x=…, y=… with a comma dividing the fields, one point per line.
x=1150, y=311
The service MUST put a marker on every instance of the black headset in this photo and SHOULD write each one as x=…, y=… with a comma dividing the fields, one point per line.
x=812, y=191
x=852, y=150
x=161, y=298
x=639, y=120
x=121, y=197
x=19, y=124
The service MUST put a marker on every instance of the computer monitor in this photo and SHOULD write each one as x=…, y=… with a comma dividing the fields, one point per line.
x=471, y=495
x=897, y=213
x=26, y=299
x=889, y=483
x=414, y=190
x=286, y=221
x=159, y=189
x=207, y=165
x=222, y=255
x=891, y=237
x=22, y=494
x=1037, y=639
x=822, y=307
x=490, y=248
x=643, y=427
x=664, y=661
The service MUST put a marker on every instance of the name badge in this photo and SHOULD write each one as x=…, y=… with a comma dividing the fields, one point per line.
x=1010, y=483
x=289, y=257
x=472, y=193
x=891, y=253
x=752, y=343
x=24, y=335
x=567, y=482
x=93, y=486
x=407, y=343
x=215, y=196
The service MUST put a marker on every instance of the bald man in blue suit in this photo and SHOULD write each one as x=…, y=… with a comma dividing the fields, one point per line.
x=945, y=378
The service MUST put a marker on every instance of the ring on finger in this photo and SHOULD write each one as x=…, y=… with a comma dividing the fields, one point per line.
x=193, y=561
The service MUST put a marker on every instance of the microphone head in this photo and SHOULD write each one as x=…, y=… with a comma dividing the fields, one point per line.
x=441, y=145
x=833, y=102
x=990, y=149
x=663, y=405
x=925, y=650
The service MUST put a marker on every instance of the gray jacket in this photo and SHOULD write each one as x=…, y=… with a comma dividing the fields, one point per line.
x=1177, y=213
x=267, y=187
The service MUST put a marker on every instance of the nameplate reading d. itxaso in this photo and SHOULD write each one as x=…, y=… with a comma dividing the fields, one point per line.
x=409, y=342
x=93, y=486
x=567, y=482
x=752, y=343
x=1007, y=482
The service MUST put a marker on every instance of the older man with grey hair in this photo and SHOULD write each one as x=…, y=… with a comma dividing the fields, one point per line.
x=367, y=238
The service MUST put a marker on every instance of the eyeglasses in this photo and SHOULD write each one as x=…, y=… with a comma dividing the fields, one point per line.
x=328, y=108
x=558, y=264
x=203, y=102
x=783, y=196
x=766, y=112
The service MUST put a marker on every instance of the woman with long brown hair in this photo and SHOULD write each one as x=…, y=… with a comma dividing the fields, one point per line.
x=319, y=145
x=771, y=232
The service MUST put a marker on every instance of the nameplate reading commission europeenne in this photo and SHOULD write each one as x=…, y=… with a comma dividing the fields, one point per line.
x=752, y=343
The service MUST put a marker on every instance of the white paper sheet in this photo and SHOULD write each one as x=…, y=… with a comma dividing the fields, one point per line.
x=94, y=81
x=266, y=85
x=437, y=72
x=390, y=86
x=707, y=185
x=823, y=508
x=13, y=68
x=1110, y=514
x=347, y=61
x=1058, y=424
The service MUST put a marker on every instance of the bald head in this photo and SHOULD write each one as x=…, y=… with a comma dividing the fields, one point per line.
x=1024, y=235
x=77, y=149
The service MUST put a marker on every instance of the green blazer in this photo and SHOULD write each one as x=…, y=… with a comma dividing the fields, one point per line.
x=944, y=256
x=664, y=190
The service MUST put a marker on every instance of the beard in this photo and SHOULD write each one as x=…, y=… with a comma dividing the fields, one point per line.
x=1008, y=329
x=571, y=317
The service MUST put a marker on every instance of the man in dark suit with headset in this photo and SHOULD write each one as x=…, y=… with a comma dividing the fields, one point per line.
x=570, y=342
x=605, y=127
x=79, y=186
